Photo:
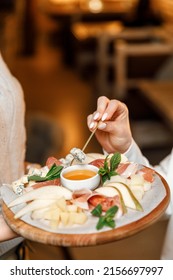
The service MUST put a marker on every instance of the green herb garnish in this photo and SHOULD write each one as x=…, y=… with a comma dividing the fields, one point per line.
x=97, y=211
x=53, y=173
x=108, y=170
x=107, y=218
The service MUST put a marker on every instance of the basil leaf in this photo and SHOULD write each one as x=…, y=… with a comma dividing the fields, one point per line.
x=107, y=172
x=107, y=219
x=112, y=173
x=53, y=173
x=106, y=167
x=36, y=178
x=97, y=211
x=101, y=223
x=52, y=170
x=110, y=213
x=105, y=178
x=102, y=171
x=110, y=223
x=115, y=161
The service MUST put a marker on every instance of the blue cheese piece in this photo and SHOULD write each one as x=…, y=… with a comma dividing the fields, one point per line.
x=42, y=172
x=78, y=154
x=31, y=183
x=34, y=171
x=67, y=160
x=18, y=187
x=24, y=179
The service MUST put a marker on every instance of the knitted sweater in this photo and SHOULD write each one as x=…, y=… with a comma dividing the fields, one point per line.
x=12, y=133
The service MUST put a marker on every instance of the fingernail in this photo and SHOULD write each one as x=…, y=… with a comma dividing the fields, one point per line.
x=91, y=125
x=96, y=116
x=102, y=126
x=104, y=116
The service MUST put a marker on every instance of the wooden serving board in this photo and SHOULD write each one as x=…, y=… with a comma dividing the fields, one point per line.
x=36, y=234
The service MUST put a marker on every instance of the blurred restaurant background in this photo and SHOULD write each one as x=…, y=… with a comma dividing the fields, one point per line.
x=67, y=53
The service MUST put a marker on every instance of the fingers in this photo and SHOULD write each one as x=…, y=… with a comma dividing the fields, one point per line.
x=90, y=121
x=106, y=110
x=101, y=107
x=102, y=104
x=92, y=124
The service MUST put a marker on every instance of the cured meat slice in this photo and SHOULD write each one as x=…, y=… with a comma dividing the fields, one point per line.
x=97, y=162
x=106, y=202
x=55, y=182
x=52, y=160
x=148, y=174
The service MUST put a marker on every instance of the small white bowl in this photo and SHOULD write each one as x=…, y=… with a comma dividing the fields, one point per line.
x=80, y=183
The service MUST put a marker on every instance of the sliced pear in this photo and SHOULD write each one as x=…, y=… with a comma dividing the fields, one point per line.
x=136, y=179
x=138, y=191
x=112, y=191
x=136, y=184
x=130, y=200
x=107, y=191
x=93, y=156
x=116, y=178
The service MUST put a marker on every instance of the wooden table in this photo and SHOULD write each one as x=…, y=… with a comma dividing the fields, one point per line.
x=160, y=95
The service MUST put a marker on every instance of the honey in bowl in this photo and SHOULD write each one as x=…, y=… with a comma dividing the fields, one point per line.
x=80, y=174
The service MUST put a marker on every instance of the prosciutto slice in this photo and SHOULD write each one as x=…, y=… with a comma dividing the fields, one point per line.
x=55, y=182
x=90, y=199
x=97, y=162
x=147, y=173
x=127, y=169
x=51, y=160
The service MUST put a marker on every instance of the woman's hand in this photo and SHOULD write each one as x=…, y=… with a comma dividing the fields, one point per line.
x=113, y=133
x=5, y=232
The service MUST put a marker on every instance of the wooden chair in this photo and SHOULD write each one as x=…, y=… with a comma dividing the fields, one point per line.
x=125, y=50
x=130, y=42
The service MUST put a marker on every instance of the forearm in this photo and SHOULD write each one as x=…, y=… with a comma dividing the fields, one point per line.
x=5, y=233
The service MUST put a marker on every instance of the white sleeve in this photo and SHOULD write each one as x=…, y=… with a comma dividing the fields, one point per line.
x=167, y=250
x=134, y=154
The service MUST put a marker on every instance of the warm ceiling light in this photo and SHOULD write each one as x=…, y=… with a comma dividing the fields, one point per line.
x=95, y=6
